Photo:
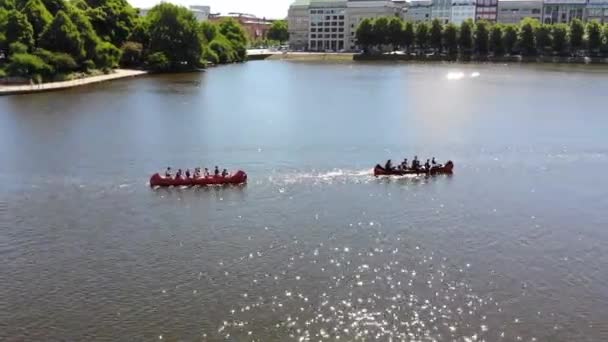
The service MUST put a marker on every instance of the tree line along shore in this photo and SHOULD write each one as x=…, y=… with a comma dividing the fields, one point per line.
x=528, y=39
x=59, y=40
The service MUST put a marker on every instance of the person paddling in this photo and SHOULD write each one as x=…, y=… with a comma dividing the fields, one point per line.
x=188, y=173
x=217, y=171
x=206, y=174
x=168, y=172
x=404, y=164
x=433, y=162
x=415, y=163
x=427, y=165
x=389, y=165
x=178, y=174
x=225, y=173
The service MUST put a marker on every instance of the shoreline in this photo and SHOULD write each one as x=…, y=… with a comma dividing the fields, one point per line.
x=53, y=86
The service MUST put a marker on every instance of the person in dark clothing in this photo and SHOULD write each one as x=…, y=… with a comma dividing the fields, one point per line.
x=225, y=173
x=168, y=172
x=404, y=164
x=433, y=162
x=415, y=163
x=178, y=174
x=217, y=171
x=206, y=174
x=427, y=165
x=389, y=165
x=187, y=173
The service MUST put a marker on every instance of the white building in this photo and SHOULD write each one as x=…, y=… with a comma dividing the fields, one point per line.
x=563, y=11
x=200, y=12
x=514, y=11
x=442, y=10
x=462, y=10
x=597, y=10
x=330, y=25
x=418, y=11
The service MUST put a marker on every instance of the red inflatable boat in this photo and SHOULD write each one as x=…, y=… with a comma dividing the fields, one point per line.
x=445, y=169
x=239, y=177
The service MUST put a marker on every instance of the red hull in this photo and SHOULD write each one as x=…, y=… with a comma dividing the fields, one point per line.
x=239, y=177
x=448, y=168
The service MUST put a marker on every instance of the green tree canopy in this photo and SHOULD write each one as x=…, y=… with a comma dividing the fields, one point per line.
x=526, y=37
x=542, y=35
x=113, y=20
x=278, y=31
x=24, y=64
x=19, y=29
x=381, y=31
x=509, y=38
x=365, y=34
x=107, y=56
x=132, y=54
x=482, y=36
x=435, y=35
x=466, y=36
x=233, y=31
x=594, y=36
x=422, y=35
x=209, y=30
x=605, y=38
x=496, y=40
x=577, y=30
x=87, y=32
x=63, y=36
x=395, y=27
x=559, y=38
x=38, y=16
x=450, y=38
x=407, y=36
x=55, y=6
x=174, y=33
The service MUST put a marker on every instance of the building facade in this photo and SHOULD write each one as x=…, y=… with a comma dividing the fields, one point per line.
x=486, y=10
x=462, y=10
x=418, y=11
x=331, y=25
x=256, y=28
x=442, y=10
x=563, y=11
x=597, y=10
x=514, y=11
x=201, y=12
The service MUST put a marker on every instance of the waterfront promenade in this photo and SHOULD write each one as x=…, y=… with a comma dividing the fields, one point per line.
x=35, y=88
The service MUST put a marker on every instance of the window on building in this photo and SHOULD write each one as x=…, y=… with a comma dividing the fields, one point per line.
x=334, y=30
x=312, y=35
x=327, y=29
x=314, y=29
x=328, y=17
x=341, y=36
x=334, y=36
x=335, y=17
x=341, y=17
x=535, y=11
x=341, y=29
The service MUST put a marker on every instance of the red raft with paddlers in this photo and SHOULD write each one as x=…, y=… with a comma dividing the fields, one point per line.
x=240, y=177
x=448, y=169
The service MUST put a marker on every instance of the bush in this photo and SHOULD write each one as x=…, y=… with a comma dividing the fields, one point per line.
x=25, y=65
x=108, y=56
x=17, y=47
x=132, y=54
x=223, y=49
x=210, y=55
x=2, y=73
x=61, y=62
x=88, y=65
x=158, y=62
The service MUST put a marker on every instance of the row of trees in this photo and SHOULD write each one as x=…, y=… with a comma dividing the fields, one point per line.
x=529, y=38
x=45, y=39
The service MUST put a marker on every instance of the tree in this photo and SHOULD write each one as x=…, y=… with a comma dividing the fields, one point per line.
x=559, y=33
x=407, y=36
x=422, y=36
x=496, y=40
x=450, y=38
x=235, y=34
x=509, y=39
x=594, y=36
x=542, y=35
x=54, y=6
x=25, y=65
x=158, y=62
x=59, y=61
x=605, y=39
x=435, y=34
x=113, y=20
x=466, y=36
x=381, y=31
x=395, y=27
x=63, y=36
x=87, y=32
x=7, y=5
x=132, y=54
x=209, y=30
x=107, y=56
x=19, y=29
x=526, y=37
x=174, y=33
x=482, y=36
x=38, y=16
x=365, y=34
x=278, y=31
x=576, y=34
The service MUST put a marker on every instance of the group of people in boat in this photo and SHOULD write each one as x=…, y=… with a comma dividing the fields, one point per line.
x=197, y=173
x=415, y=165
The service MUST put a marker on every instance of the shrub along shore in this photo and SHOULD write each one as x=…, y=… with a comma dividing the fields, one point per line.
x=483, y=41
x=61, y=40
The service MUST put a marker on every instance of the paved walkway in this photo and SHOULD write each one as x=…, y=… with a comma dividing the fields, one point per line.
x=24, y=89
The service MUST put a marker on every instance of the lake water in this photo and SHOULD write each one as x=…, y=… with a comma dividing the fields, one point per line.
x=512, y=247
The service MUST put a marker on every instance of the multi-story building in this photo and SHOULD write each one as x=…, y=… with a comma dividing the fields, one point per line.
x=597, y=10
x=331, y=24
x=442, y=10
x=486, y=10
x=462, y=10
x=201, y=12
x=418, y=11
x=514, y=11
x=256, y=28
x=563, y=11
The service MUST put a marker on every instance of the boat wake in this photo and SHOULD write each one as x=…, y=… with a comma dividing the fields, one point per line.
x=324, y=177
